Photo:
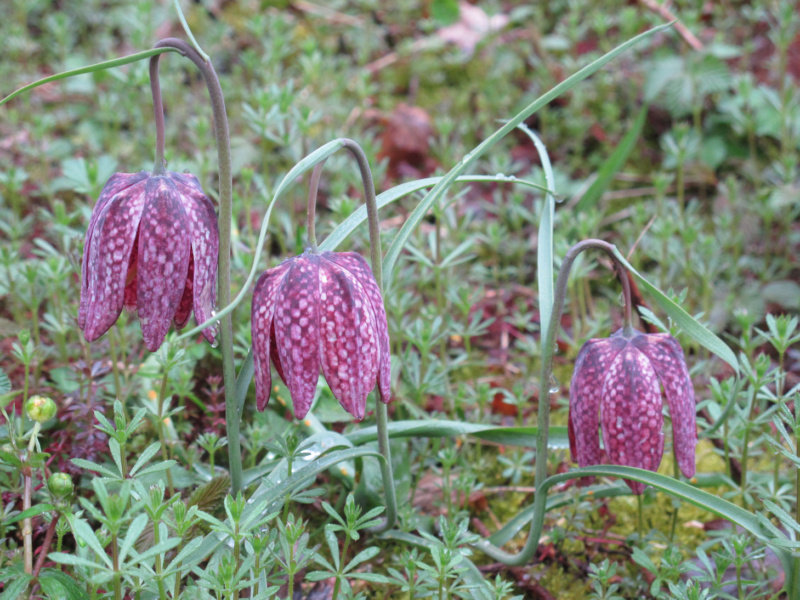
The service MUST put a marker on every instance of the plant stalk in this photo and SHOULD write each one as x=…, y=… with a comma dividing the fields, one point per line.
x=225, y=218
x=543, y=422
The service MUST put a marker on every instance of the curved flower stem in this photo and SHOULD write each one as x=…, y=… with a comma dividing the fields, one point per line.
x=376, y=256
x=225, y=212
x=312, y=204
x=543, y=422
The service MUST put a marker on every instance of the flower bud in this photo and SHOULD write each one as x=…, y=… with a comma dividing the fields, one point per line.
x=60, y=485
x=24, y=336
x=40, y=408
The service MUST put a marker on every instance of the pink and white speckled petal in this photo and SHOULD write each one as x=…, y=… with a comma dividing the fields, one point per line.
x=117, y=183
x=667, y=358
x=204, y=230
x=164, y=251
x=296, y=322
x=585, y=391
x=631, y=413
x=344, y=327
x=107, y=264
x=130, y=279
x=358, y=267
x=185, y=307
x=261, y=315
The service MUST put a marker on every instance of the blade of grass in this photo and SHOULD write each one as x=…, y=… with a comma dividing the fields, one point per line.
x=109, y=64
x=613, y=164
x=440, y=188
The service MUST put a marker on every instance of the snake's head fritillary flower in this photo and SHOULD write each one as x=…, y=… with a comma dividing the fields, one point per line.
x=321, y=310
x=617, y=384
x=152, y=245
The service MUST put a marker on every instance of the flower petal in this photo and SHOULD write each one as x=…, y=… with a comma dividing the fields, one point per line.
x=185, y=306
x=204, y=231
x=164, y=252
x=107, y=266
x=667, y=358
x=348, y=348
x=358, y=267
x=585, y=390
x=116, y=184
x=631, y=413
x=130, y=278
x=261, y=315
x=297, y=330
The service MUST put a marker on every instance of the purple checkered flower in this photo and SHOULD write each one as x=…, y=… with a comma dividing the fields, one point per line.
x=321, y=310
x=152, y=245
x=617, y=381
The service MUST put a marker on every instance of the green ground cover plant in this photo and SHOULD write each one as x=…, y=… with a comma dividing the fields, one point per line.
x=500, y=161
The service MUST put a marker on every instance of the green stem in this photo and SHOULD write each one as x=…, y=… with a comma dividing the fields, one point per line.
x=547, y=350
x=312, y=205
x=112, y=347
x=640, y=527
x=225, y=214
x=161, y=436
x=342, y=563
x=117, y=576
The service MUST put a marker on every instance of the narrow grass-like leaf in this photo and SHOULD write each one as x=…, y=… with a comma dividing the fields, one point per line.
x=243, y=380
x=613, y=163
x=109, y=64
x=359, y=216
x=33, y=511
x=688, y=324
x=511, y=436
x=544, y=244
x=432, y=197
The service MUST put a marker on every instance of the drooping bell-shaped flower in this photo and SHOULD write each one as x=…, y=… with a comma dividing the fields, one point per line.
x=321, y=311
x=617, y=384
x=152, y=245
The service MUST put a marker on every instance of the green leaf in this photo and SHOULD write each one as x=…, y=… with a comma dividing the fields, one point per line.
x=134, y=531
x=688, y=324
x=161, y=466
x=243, y=380
x=414, y=219
x=544, y=244
x=109, y=64
x=85, y=534
x=445, y=12
x=359, y=216
x=5, y=383
x=31, y=512
x=299, y=477
x=145, y=456
x=511, y=436
x=613, y=164
x=58, y=585
x=93, y=466
x=14, y=589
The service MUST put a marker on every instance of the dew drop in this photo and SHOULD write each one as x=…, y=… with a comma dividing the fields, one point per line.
x=555, y=386
x=500, y=176
x=215, y=343
x=511, y=178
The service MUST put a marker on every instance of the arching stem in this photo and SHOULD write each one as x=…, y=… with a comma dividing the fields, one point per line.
x=225, y=213
x=543, y=422
x=376, y=256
